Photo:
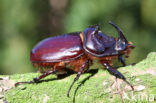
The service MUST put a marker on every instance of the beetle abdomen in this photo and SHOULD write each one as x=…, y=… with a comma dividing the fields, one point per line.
x=61, y=67
x=46, y=66
x=56, y=49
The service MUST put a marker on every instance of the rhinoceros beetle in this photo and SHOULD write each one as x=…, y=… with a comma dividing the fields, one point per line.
x=75, y=51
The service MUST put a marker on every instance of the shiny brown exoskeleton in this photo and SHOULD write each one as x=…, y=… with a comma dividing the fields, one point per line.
x=76, y=51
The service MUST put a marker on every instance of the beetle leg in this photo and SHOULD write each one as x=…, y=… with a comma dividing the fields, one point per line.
x=35, y=80
x=77, y=76
x=122, y=60
x=116, y=73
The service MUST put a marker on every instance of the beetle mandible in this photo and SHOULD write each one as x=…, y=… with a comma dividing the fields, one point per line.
x=77, y=50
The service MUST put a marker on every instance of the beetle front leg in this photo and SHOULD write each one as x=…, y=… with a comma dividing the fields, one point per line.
x=35, y=80
x=122, y=60
x=77, y=76
x=116, y=73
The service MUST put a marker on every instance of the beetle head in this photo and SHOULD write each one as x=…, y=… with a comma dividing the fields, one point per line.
x=122, y=44
x=98, y=44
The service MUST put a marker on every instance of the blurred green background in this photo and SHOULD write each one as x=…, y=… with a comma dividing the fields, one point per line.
x=23, y=23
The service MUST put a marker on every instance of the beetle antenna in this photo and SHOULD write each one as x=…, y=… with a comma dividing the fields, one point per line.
x=121, y=34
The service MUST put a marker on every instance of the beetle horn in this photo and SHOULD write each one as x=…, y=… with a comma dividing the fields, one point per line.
x=121, y=35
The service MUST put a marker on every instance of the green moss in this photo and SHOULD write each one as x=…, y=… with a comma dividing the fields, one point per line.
x=96, y=89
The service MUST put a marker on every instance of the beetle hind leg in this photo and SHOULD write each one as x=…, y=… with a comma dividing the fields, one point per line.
x=36, y=80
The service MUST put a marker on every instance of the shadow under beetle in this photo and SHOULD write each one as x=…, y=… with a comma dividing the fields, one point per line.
x=76, y=51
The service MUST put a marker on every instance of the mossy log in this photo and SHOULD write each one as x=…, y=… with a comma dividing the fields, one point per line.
x=98, y=86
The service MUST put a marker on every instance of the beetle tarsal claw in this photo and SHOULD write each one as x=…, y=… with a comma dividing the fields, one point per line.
x=130, y=85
